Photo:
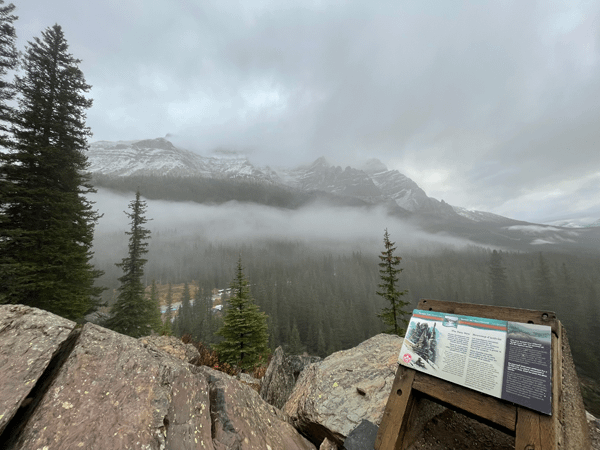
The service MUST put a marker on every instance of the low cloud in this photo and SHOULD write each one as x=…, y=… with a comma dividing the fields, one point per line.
x=318, y=225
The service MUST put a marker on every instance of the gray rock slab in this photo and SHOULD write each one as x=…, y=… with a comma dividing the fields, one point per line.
x=115, y=392
x=332, y=397
x=281, y=376
x=243, y=420
x=112, y=393
x=279, y=381
x=29, y=338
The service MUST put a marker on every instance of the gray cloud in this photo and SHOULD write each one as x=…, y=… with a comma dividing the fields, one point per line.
x=488, y=105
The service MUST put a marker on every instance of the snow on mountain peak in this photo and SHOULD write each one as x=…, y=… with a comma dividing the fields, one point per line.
x=373, y=183
x=160, y=157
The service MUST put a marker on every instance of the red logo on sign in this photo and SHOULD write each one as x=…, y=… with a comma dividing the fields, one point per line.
x=406, y=358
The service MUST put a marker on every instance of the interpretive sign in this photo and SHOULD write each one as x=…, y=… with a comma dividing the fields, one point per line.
x=507, y=360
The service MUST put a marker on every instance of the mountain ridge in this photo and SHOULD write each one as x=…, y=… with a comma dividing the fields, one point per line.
x=374, y=183
x=165, y=172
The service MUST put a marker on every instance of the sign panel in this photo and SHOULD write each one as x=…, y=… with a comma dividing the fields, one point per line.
x=507, y=360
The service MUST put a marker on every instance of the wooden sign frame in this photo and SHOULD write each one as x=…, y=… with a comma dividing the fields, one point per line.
x=532, y=430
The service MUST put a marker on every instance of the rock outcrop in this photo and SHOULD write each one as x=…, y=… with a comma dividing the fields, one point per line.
x=109, y=391
x=332, y=397
x=66, y=387
x=29, y=340
x=243, y=420
x=281, y=376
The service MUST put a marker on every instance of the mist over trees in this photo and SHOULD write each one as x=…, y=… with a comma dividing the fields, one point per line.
x=320, y=300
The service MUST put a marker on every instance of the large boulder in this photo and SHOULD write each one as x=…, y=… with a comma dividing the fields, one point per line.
x=332, y=397
x=281, y=376
x=29, y=340
x=115, y=392
x=243, y=420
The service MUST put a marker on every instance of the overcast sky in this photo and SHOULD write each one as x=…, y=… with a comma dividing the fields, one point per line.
x=488, y=105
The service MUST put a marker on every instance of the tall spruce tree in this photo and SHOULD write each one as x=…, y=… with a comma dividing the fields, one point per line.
x=544, y=287
x=47, y=222
x=394, y=316
x=8, y=62
x=497, y=276
x=201, y=314
x=244, y=327
x=133, y=313
x=167, y=328
x=183, y=323
x=155, y=315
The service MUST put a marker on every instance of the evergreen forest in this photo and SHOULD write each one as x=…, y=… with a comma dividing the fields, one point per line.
x=320, y=301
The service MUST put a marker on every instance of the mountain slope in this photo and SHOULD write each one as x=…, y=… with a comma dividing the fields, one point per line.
x=404, y=191
x=159, y=157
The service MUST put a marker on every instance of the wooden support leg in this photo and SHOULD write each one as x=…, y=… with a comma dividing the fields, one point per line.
x=528, y=436
x=397, y=411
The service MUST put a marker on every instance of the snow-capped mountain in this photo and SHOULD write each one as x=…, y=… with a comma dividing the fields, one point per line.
x=404, y=191
x=160, y=157
x=372, y=183
x=321, y=176
x=482, y=216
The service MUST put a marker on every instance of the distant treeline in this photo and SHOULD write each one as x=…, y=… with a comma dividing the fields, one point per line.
x=321, y=302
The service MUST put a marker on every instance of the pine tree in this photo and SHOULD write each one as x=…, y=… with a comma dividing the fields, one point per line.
x=155, y=319
x=497, y=276
x=544, y=292
x=568, y=291
x=47, y=222
x=295, y=346
x=393, y=316
x=184, y=315
x=167, y=328
x=8, y=62
x=201, y=314
x=133, y=314
x=244, y=327
x=321, y=344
